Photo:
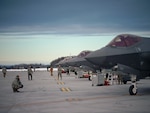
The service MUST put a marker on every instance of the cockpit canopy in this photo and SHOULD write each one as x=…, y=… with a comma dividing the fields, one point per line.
x=124, y=40
x=84, y=53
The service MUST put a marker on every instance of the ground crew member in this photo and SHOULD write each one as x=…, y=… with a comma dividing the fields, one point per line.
x=120, y=79
x=51, y=71
x=30, y=72
x=68, y=73
x=16, y=84
x=4, y=72
x=59, y=72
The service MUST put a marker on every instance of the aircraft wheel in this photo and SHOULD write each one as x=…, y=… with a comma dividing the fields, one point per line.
x=132, y=90
x=124, y=81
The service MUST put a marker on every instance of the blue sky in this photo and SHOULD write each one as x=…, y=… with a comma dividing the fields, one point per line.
x=39, y=31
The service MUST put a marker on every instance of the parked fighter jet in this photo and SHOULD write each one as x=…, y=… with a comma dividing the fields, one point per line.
x=79, y=60
x=128, y=50
x=64, y=61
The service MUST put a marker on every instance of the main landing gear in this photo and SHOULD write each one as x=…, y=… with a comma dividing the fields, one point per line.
x=133, y=88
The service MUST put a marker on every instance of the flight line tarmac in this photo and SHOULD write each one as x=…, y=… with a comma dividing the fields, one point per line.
x=47, y=94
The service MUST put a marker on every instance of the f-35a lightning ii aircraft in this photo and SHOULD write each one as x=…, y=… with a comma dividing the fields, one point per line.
x=129, y=51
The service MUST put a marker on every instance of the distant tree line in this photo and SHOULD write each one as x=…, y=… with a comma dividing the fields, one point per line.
x=24, y=66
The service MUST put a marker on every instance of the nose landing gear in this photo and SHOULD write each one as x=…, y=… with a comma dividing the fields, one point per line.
x=133, y=88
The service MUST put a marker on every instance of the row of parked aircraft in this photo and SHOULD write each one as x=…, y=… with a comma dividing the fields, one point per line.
x=128, y=53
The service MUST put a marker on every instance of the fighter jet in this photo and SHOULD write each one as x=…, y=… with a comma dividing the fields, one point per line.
x=64, y=61
x=130, y=51
x=80, y=61
x=77, y=60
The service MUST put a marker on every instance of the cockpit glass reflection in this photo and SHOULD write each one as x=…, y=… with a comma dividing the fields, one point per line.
x=124, y=41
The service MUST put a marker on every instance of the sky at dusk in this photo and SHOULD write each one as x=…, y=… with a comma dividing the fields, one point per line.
x=39, y=31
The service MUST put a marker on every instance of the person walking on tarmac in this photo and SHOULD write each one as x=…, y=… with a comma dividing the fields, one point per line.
x=51, y=70
x=4, y=72
x=30, y=72
x=68, y=71
x=16, y=84
x=59, y=72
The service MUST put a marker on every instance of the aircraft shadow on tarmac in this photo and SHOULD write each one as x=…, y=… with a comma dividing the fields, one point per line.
x=144, y=91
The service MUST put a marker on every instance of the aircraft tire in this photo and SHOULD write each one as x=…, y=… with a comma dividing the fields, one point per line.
x=132, y=90
x=124, y=81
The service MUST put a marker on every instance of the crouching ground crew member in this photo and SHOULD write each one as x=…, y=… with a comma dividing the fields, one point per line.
x=16, y=84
